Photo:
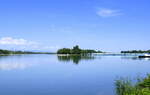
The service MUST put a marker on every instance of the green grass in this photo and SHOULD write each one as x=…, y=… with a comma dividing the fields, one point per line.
x=128, y=87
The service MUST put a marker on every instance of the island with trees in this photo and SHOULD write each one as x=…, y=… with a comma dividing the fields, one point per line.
x=76, y=50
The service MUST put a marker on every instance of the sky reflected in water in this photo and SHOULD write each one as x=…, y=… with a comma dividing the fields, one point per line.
x=66, y=75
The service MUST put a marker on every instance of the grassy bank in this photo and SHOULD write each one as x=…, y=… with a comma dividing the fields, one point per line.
x=127, y=87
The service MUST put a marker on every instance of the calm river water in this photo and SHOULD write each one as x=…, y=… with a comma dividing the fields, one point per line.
x=42, y=74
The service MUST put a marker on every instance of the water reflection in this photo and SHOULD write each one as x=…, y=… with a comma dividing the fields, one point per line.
x=75, y=58
x=13, y=66
x=134, y=58
x=15, y=62
x=45, y=75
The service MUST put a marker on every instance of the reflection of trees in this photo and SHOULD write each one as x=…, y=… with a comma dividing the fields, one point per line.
x=75, y=58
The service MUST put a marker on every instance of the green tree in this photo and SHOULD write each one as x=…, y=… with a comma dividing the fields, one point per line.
x=64, y=51
x=76, y=50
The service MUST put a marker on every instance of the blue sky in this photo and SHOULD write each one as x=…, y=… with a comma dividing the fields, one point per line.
x=46, y=25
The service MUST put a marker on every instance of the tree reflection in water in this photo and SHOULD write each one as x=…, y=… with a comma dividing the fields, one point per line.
x=76, y=58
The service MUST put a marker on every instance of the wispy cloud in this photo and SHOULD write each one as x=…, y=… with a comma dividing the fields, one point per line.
x=103, y=12
x=14, y=41
x=23, y=44
x=42, y=47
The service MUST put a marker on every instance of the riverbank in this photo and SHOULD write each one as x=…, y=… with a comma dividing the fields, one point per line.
x=128, y=87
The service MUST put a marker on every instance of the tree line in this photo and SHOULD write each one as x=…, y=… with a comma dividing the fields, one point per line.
x=76, y=50
x=20, y=52
x=136, y=51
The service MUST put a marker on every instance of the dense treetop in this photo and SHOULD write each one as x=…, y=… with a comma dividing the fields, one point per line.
x=76, y=50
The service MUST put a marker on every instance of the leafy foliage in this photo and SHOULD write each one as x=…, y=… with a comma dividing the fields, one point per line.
x=76, y=50
x=127, y=87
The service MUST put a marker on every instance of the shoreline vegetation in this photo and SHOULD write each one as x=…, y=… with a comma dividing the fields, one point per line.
x=136, y=51
x=10, y=52
x=76, y=51
x=69, y=51
x=140, y=86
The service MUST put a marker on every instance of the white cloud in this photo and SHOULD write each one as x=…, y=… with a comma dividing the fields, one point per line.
x=42, y=47
x=108, y=12
x=13, y=41
x=22, y=44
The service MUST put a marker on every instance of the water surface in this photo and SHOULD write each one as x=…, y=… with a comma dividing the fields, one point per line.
x=64, y=75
